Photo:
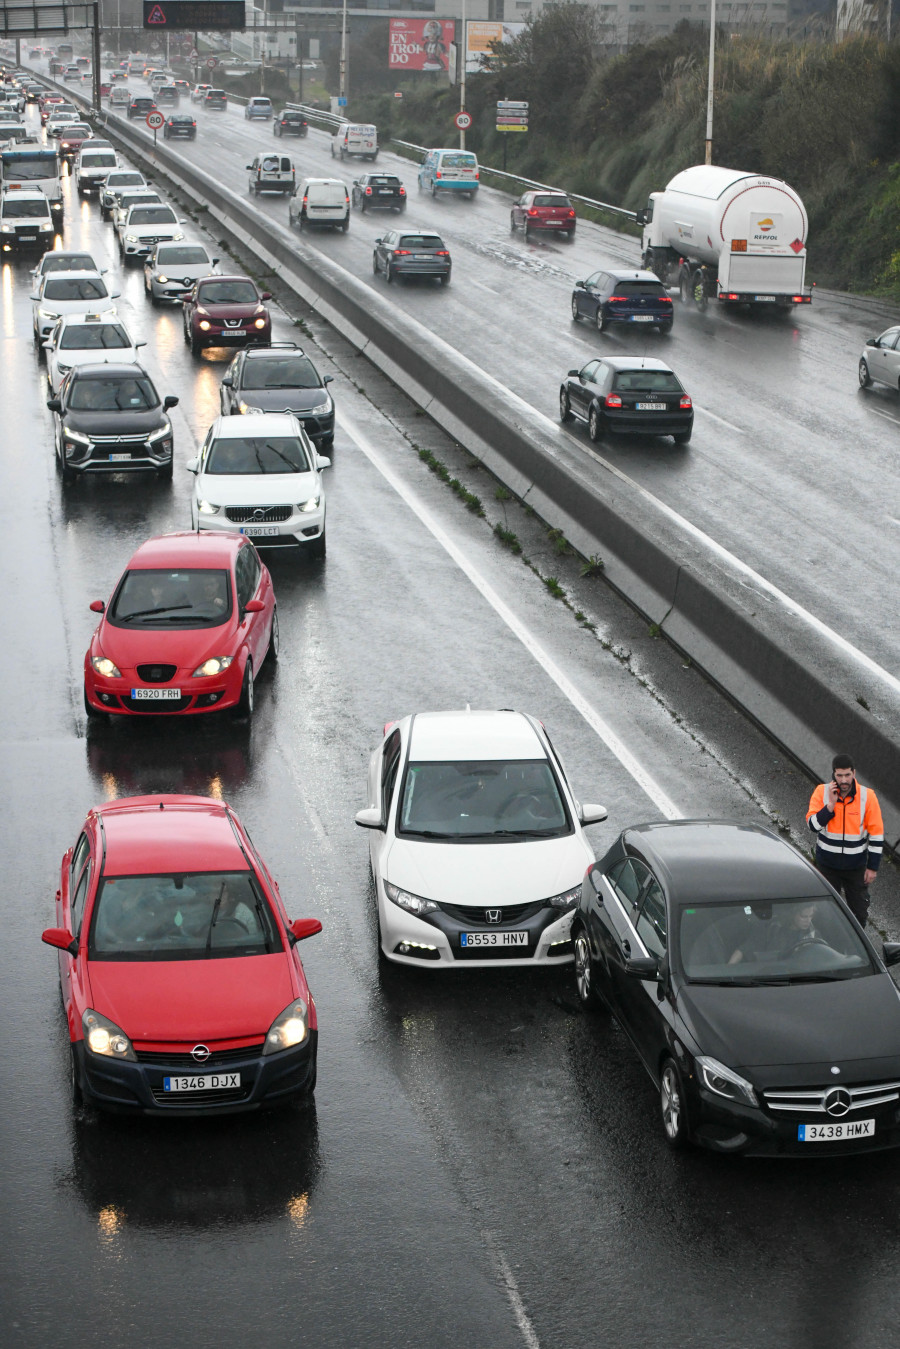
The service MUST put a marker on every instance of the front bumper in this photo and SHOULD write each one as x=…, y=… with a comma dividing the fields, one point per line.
x=109, y=456
x=140, y=248
x=217, y=335
x=299, y=529
x=202, y=694
x=25, y=239
x=749, y=1131
x=435, y=940
x=140, y=1087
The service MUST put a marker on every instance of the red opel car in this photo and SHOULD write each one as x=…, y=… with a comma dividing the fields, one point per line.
x=182, y=986
x=544, y=212
x=186, y=631
x=226, y=311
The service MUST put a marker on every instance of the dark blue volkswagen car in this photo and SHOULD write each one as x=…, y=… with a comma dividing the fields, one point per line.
x=623, y=297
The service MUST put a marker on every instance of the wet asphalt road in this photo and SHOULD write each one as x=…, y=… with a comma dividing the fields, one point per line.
x=791, y=466
x=484, y=1166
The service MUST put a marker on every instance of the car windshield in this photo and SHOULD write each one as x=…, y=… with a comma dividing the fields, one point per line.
x=770, y=941
x=74, y=262
x=25, y=210
x=75, y=288
x=489, y=799
x=257, y=454
x=152, y=215
x=228, y=292
x=156, y=598
x=280, y=372
x=198, y=916
x=646, y=381
x=128, y=393
x=421, y=241
x=94, y=337
x=637, y=290
x=74, y=131
x=98, y=159
x=546, y=200
x=186, y=256
x=25, y=169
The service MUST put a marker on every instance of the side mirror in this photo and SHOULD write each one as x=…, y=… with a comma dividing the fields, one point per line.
x=322, y=461
x=254, y=607
x=34, y=297
x=54, y=405
x=266, y=295
x=170, y=401
x=579, y=285
x=592, y=814
x=139, y=344
x=890, y=953
x=872, y=342
x=193, y=466
x=47, y=346
x=227, y=382
x=61, y=938
x=301, y=928
x=215, y=262
x=370, y=818
x=249, y=166
x=97, y=607
x=640, y=217
x=329, y=379
x=574, y=373
x=642, y=968
x=115, y=295
x=379, y=241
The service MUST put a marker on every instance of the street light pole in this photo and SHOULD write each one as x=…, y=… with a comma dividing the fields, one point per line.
x=712, y=69
x=462, y=78
x=343, y=69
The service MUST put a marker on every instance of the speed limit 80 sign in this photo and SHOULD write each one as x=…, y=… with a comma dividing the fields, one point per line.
x=463, y=120
x=155, y=120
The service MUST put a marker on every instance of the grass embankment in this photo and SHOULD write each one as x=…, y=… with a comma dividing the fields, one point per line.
x=823, y=117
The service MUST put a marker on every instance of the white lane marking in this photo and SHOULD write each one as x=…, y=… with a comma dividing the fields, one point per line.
x=886, y=415
x=601, y=728
x=716, y=418
x=523, y=1320
x=470, y=280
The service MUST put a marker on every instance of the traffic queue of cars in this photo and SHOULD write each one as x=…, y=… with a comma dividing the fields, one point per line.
x=764, y=1015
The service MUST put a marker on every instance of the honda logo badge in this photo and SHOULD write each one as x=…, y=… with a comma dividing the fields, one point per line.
x=493, y=915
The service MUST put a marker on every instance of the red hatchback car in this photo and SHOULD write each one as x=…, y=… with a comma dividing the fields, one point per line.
x=187, y=629
x=226, y=311
x=547, y=212
x=182, y=986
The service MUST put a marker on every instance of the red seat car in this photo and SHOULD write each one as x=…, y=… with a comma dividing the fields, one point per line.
x=544, y=212
x=181, y=981
x=186, y=631
x=226, y=311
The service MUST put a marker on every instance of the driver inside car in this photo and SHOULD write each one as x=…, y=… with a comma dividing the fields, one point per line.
x=778, y=937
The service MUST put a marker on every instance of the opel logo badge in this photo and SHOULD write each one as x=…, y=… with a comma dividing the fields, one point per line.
x=493, y=915
x=200, y=1053
x=838, y=1102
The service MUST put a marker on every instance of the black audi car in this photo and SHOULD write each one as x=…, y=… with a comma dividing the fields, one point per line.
x=627, y=395
x=761, y=1011
x=280, y=378
x=180, y=124
x=110, y=419
x=403, y=254
x=289, y=123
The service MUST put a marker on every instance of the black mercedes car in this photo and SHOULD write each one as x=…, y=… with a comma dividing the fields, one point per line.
x=289, y=123
x=378, y=192
x=280, y=378
x=110, y=419
x=764, y=1016
x=628, y=395
x=180, y=124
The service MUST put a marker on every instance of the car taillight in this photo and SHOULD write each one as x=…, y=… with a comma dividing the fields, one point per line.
x=532, y=210
x=368, y=192
x=346, y=201
x=438, y=174
x=442, y=253
x=401, y=252
x=304, y=201
x=685, y=402
x=664, y=299
x=797, y=299
x=731, y=296
x=613, y=400
x=617, y=299
x=572, y=211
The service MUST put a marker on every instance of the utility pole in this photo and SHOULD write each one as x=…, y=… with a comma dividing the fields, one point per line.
x=712, y=77
x=95, y=50
x=343, y=66
x=462, y=78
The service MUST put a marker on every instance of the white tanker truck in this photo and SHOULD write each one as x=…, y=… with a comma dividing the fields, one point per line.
x=734, y=237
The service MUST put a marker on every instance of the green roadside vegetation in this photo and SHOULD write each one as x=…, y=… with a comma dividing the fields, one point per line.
x=820, y=115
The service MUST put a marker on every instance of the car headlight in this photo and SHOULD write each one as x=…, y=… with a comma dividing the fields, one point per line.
x=204, y=325
x=104, y=666
x=48, y=226
x=78, y=436
x=722, y=1081
x=102, y=1036
x=412, y=903
x=163, y=279
x=308, y=506
x=48, y=314
x=290, y=1028
x=247, y=407
x=160, y=432
x=320, y=409
x=207, y=508
x=63, y=369
x=215, y=665
x=7, y=229
x=131, y=238
x=567, y=900
x=259, y=323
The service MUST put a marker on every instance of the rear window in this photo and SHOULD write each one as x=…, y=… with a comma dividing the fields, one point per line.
x=647, y=381
x=421, y=241
x=458, y=161
x=383, y=180
x=546, y=199
x=636, y=290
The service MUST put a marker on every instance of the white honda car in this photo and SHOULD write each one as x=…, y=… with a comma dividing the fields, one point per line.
x=476, y=842
x=260, y=475
x=87, y=339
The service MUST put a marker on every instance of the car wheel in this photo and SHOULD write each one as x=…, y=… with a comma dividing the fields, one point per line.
x=389, y=273
x=362, y=207
x=317, y=548
x=565, y=407
x=865, y=379
x=274, y=638
x=527, y=232
x=345, y=224
x=165, y=473
x=682, y=437
x=576, y=315
x=685, y=290
x=433, y=190
x=375, y=263
x=673, y=1106
x=244, y=708
x=445, y=280
x=301, y=221
x=595, y=430
x=512, y=223
x=601, y=320
x=196, y=346
x=152, y=296
x=255, y=189
x=186, y=333
x=584, y=974
x=665, y=329
x=570, y=236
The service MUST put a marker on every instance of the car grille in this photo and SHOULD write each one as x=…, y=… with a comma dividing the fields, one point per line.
x=493, y=952
x=187, y=1100
x=812, y=1102
x=509, y=913
x=123, y=443
x=216, y=1059
x=156, y=674
x=160, y=709
x=257, y=515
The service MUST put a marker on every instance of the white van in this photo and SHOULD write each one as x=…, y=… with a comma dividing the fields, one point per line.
x=271, y=173
x=355, y=138
x=25, y=221
x=119, y=96
x=320, y=201
x=92, y=166
x=449, y=171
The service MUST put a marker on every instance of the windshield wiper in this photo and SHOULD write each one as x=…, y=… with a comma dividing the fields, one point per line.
x=214, y=916
x=428, y=833
x=515, y=833
x=740, y=981
x=143, y=613
x=823, y=976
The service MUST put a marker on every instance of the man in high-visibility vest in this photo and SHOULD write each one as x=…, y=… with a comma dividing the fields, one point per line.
x=846, y=820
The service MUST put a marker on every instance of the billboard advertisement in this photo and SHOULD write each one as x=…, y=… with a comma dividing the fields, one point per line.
x=479, y=36
x=420, y=44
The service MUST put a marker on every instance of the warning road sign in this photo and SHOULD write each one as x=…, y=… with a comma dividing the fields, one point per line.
x=156, y=15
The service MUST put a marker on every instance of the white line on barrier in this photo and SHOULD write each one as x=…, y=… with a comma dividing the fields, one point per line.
x=601, y=728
